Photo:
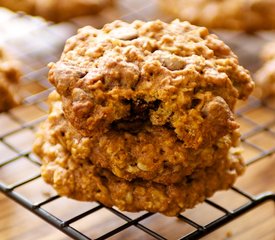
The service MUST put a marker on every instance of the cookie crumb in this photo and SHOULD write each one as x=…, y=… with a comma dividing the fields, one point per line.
x=229, y=233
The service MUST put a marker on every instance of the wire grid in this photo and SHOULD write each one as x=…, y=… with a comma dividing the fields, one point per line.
x=19, y=169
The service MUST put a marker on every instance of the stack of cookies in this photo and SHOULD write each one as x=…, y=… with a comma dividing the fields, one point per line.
x=142, y=117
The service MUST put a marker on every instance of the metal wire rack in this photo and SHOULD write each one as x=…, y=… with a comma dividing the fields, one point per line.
x=19, y=168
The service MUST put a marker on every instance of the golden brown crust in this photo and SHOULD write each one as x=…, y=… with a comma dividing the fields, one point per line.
x=171, y=75
x=249, y=15
x=265, y=76
x=56, y=10
x=9, y=79
x=75, y=176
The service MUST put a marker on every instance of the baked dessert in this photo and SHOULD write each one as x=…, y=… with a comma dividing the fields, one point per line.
x=129, y=76
x=74, y=175
x=142, y=117
x=265, y=76
x=9, y=79
x=57, y=11
x=249, y=15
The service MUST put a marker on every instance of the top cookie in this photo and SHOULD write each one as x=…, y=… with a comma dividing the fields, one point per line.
x=9, y=79
x=60, y=10
x=249, y=15
x=173, y=75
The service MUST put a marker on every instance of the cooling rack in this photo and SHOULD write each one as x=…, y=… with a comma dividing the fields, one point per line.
x=36, y=43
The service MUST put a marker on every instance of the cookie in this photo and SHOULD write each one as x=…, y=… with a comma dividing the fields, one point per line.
x=128, y=76
x=248, y=15
x=265, y=76
x=57, y=11
x=75, y=175
x=9, y=79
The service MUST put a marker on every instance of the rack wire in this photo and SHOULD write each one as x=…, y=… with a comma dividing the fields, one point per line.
x=17, y=128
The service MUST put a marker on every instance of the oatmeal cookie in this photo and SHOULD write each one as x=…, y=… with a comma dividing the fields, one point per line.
x=268, y=52
x=175, y=76
x=58, y=10
x=153, y=153
x=74, y=175
x=265, y=76
x=9, y=79
x=249, y=15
